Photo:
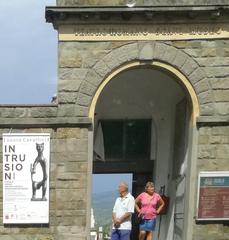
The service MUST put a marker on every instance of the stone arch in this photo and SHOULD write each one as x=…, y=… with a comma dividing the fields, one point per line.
x=146, y=53
x=168, y=59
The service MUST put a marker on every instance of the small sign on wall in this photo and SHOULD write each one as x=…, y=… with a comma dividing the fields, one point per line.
x=213, y=196
x=26, y=160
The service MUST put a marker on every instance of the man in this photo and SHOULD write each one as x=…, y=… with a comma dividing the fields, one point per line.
x=122, y=212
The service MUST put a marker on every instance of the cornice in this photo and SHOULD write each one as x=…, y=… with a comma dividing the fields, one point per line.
x=201, y=13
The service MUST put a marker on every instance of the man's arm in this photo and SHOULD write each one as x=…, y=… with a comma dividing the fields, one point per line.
x=114, y=217
x=124, y=217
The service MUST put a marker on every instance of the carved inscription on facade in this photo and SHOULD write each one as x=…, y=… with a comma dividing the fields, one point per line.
x=142, y=32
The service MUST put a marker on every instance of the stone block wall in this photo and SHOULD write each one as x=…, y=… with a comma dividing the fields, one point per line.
x=83, y=66
x=29, y=112
x=213, y=148
x=68, y=187
x=213, y=58
x=213, y=155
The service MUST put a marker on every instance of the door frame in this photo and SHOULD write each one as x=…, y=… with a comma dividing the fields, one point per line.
x=192, y=139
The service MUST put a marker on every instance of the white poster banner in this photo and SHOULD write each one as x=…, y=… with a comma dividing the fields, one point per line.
x=26, y=159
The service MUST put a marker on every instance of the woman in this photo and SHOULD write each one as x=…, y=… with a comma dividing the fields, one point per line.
x=146, y=206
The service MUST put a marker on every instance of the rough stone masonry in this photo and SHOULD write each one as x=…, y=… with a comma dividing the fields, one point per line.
x=82, y=68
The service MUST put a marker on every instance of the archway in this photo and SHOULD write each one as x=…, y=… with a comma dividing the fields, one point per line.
x=159, y=99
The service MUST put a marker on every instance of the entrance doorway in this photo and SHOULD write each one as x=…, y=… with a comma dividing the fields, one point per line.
x=141, y=126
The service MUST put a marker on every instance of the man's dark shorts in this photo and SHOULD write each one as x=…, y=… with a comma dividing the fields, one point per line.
x=120, y=234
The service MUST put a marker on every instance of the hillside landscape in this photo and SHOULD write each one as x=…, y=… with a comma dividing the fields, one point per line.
x=102, y=204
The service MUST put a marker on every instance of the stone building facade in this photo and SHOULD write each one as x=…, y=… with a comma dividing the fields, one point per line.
x=190, y=63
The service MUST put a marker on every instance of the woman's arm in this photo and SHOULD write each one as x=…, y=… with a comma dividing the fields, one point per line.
x=161, y=205
x=137, y=204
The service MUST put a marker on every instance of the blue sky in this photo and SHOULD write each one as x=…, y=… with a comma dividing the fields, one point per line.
x=109, y=182
x=28, y=46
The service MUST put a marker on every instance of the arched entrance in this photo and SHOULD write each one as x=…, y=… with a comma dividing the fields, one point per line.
x=147, y=114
